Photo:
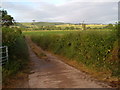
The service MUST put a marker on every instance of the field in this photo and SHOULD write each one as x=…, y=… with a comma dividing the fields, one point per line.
x=59, y=26
x=95, y=49
x=46, y=32
x=38, y=24
x=80, y=26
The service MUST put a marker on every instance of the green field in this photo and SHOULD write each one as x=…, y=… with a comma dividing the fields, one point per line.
x=38, y=24
x=95, y=49
x=46, y=32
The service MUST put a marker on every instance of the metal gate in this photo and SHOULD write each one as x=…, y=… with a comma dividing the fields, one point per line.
x=3, y=55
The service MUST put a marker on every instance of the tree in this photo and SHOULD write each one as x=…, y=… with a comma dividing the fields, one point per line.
x=6, y=20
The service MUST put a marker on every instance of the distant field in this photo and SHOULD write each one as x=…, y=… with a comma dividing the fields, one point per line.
x=80, y=26
x=30, y=25
x=37, y=25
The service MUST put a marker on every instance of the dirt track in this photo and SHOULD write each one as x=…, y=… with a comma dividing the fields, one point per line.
x=51, y=72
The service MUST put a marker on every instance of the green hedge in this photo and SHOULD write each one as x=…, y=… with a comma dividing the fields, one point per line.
x=17, y=48
x=93, y=48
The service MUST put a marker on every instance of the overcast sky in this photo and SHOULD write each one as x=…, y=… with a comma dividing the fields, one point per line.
x=72, y=11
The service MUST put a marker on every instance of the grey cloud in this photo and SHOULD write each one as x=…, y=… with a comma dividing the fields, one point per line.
x=101, y=12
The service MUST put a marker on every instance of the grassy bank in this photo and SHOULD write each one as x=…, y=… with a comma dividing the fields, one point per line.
x=18, y=51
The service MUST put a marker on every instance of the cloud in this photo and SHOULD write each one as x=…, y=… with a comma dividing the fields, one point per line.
x=73, y=11
x=59, y=1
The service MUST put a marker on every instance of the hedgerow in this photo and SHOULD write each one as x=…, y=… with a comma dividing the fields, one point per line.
x=95, y=49
x=17, y=51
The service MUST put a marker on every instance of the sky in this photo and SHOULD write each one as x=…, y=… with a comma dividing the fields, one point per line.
x=67, y=11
